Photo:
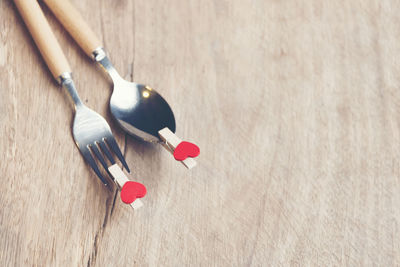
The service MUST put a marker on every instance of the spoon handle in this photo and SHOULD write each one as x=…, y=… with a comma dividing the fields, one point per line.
x=74, y=23
x=43, y=36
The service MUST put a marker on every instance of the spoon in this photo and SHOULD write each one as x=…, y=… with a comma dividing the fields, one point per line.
x=138, y=109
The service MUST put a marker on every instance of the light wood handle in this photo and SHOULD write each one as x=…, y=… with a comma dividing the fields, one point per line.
x=72, y=20
x=43, y=36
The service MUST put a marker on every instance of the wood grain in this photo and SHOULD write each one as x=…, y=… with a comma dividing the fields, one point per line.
x=294, y=104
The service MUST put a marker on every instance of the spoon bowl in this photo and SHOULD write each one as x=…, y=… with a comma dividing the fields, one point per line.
x=140, y=110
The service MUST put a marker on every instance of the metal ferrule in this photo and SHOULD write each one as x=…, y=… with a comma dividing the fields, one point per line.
x=100, y=56
x=66, y=81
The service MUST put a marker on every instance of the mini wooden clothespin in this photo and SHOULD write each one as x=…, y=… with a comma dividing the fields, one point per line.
x=183, y=151
x=130, y=191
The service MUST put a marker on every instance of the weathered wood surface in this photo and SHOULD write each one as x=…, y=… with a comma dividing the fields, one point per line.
x=296, y=108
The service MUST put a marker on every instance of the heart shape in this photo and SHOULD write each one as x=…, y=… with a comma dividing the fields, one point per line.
x=186, y=149
x=131, y=191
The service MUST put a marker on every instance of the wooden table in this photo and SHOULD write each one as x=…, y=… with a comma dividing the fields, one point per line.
x=296, y=108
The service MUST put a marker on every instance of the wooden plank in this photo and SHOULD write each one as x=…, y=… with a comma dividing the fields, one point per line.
x=295, y=107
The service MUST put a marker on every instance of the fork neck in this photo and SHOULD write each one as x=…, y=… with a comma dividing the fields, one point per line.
x=100, y=57
x=66, y=81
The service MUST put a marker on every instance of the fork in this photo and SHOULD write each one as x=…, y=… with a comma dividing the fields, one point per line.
x=91, y=132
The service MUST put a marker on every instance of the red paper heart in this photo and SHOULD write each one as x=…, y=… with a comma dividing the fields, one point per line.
x=186, y=149
x=131, y=191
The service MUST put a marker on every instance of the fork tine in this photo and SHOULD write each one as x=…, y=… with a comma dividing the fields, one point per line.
x=99, y=156
x=89, y=158
x=114, y=147
x=106, y=151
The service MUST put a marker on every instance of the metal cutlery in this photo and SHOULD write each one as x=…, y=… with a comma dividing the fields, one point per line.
x=138, y=108
x=91, y=132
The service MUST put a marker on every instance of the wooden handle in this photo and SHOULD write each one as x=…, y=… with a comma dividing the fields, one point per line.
x=72, y=20
x=43, y=36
